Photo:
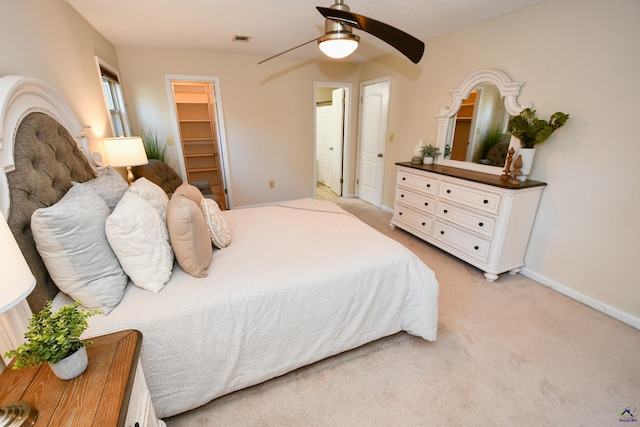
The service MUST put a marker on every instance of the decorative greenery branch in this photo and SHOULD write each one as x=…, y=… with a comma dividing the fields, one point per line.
x=531, y=131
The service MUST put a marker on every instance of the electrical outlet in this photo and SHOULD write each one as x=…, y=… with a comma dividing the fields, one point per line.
x=391, y=137
x=169, y=140
x=272, y=184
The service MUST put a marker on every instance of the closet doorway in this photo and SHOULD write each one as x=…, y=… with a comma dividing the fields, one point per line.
x=198, y=124
x=331, y=138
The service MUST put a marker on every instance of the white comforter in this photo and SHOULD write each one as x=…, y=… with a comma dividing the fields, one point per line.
x=301, y=281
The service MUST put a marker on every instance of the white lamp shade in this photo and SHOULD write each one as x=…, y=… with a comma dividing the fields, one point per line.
x=338, y=47
x=16, y=279
x=125, y=151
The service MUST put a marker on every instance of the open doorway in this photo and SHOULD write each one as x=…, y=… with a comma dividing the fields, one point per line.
x=198, y=122
x=331, y=141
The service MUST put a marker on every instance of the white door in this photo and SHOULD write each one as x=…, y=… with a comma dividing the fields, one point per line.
x=374, y=116
x=337, y=102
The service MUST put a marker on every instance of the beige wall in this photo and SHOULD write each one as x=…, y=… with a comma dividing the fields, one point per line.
x=48, y=40
x=575, y=56
x=578, y=57
x=268, y=113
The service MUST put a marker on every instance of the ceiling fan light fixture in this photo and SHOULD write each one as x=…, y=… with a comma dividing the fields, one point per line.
x=338, y=44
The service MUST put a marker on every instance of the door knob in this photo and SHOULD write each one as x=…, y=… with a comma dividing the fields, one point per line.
x=379, y=154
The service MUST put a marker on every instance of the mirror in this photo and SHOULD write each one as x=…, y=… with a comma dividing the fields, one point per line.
x=473, y=131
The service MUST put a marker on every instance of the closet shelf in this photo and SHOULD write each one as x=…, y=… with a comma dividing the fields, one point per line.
x=201, y=155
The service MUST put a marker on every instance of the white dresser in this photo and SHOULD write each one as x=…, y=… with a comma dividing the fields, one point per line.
x=474, y=216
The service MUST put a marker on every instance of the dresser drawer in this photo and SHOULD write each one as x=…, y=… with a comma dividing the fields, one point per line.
x=419, y=221
x=415, y=200
x=468, y=243
x=482, y=200
x=422, y=183
x=478, y=222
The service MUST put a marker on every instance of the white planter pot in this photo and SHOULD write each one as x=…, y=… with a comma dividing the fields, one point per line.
x=527, y=161
x=71, y=366
x=427, y=161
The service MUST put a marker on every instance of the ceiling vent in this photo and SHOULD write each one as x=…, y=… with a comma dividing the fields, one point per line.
x=241, y=38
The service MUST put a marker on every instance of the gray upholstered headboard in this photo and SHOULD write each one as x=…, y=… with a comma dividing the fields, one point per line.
x=40, y=158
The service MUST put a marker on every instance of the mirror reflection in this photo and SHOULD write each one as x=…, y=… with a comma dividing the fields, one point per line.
x=478, y=132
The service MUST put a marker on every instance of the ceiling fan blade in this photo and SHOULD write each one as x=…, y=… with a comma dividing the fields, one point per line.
x=408, y=45
x=288, y=50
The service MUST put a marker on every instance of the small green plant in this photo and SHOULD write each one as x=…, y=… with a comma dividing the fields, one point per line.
x=491, y=138
x=152, y=145
x=531, y=131
x=447, y=150
x=52, y=336
x=429, y=151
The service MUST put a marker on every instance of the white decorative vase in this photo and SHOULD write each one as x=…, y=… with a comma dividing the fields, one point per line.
x=427, y=161
x=527, y=161
x=71, y=366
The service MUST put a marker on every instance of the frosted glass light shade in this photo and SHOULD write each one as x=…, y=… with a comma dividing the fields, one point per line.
x=339, y=45
x=16, y=280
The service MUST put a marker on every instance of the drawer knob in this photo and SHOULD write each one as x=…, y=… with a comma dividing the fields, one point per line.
x=448, y=191
x=428, y=185
x=481, y=224
x=485, y=201
x=424, y=223
x=403, y=178
x=399, y=213
x=426, y=203
x=476, y=247
x=402, y=195
x=441, y=231
x=445, y=211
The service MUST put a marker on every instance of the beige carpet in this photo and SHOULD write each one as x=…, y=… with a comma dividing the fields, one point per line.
x=509, y=353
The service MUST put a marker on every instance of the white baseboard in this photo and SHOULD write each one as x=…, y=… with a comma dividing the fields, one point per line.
x=387, y=209
x=591, y=302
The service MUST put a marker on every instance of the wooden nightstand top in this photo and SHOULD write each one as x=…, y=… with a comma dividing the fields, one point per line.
x=99, y=397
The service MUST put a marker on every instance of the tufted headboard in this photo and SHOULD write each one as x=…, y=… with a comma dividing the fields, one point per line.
x=39, y=159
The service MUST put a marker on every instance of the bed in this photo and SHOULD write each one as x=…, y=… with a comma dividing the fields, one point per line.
x=300, y=281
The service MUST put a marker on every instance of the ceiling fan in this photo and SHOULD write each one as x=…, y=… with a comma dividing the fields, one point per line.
x=339, y=41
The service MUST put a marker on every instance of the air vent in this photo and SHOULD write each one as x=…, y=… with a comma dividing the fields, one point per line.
x=241, y=38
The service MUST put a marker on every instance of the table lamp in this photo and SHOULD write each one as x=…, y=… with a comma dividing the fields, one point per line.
x=125, y=152
x=16, y=282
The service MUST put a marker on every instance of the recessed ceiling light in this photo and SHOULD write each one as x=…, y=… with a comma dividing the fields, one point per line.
x=241, y=38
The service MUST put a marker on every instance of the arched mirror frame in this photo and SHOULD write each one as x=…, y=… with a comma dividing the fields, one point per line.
x=508, y=89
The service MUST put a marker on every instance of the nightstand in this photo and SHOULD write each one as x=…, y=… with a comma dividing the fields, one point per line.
x=111, y=392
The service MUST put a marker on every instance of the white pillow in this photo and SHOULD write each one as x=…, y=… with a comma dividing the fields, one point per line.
x=153, y=194
x=109, y=185
x=140, y=239
x=71, y=240
x=218, y=230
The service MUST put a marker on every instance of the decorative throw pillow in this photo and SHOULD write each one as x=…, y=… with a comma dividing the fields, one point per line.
x=70, y=237
x=109, y=185
x=140, y=240
x=189, y=235
x=218, y=229
x=189, y=191
x=153, y=194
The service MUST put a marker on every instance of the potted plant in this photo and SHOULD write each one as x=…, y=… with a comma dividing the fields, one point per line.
x=429, y=152
x=152, y=145
x=531, y=131
x=492, y=137
x=55, y=338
